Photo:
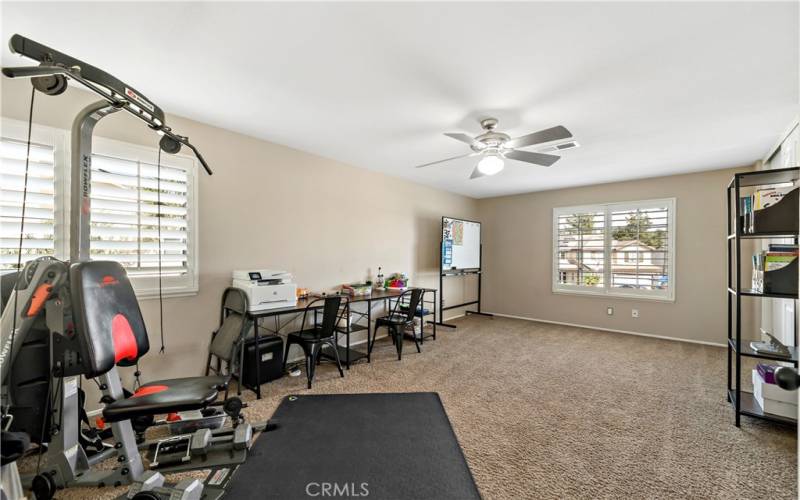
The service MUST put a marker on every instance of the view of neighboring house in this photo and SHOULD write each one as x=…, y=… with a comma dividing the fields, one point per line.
x=633, y=264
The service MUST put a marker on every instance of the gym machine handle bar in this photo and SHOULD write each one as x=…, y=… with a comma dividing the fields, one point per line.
x=116, y=92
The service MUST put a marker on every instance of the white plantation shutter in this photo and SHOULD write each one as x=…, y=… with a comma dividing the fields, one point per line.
x=581, y=248
x=125, y=224
x=40, y=220
x=124, y=221
x=640, y=247
x=620, y=249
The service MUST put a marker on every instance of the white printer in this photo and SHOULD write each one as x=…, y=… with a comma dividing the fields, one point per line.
x=266, y=289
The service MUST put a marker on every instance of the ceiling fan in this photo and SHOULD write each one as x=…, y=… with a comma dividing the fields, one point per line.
x=494, y=147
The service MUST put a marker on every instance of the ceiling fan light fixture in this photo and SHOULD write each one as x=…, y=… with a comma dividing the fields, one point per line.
x=494, y=147
x=491, y=164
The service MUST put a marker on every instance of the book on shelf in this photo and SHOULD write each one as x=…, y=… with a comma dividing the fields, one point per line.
x=783, y=247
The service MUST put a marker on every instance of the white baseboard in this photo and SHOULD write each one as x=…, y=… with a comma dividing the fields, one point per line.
x=589, y=327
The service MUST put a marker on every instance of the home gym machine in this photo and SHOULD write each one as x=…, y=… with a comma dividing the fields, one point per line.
x=65, y=320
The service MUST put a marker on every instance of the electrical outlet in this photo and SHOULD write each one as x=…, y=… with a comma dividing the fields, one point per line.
x=610, y=311
x=634, y=313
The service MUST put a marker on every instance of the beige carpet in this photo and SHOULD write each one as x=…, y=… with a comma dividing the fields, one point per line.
x=546, y=411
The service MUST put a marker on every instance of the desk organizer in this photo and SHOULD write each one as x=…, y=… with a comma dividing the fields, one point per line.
x=781, y=217
x=783, y=280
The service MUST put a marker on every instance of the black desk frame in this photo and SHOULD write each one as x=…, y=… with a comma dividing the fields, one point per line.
x=347, y=354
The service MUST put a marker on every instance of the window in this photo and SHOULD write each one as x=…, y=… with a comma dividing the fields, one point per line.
x=580, y=244
x=124, y=226
x=42, y=214
x=126, y=195
x=616, y=249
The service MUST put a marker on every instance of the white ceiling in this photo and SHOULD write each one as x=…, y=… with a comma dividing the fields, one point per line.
x=648, y=89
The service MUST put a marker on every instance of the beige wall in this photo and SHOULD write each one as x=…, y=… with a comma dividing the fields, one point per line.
x=517, y=236
x=329, y=223
x=269, y=206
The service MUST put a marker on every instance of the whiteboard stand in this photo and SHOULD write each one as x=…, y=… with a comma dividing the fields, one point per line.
x=458, y=272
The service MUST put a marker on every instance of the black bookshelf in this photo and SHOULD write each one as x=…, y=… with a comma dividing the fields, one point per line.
x=749, y=406
x=782, y=222
x=748, y=351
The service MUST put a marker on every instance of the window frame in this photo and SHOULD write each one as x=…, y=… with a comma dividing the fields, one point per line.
x=145, y=286
x=667, y=295
x=16, y=130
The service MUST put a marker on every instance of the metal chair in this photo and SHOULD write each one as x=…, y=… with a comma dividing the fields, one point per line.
x=345, y=327
x=229, y=338
x=313, y=339
x=398, y=319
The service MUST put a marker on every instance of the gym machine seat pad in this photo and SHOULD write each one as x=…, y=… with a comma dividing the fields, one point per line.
x=166, y=396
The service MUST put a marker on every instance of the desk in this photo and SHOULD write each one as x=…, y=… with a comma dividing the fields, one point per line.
x=347, y=354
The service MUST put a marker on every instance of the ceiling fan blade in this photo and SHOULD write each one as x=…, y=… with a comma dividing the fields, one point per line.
x=542, y=159
x=460, y=137
x=476, y=173
x=547, y=135
x=447, y=159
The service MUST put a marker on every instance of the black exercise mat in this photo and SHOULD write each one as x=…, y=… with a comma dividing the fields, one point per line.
x=366, y=446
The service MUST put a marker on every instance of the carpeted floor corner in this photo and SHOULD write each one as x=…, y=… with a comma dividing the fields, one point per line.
x=548, y=411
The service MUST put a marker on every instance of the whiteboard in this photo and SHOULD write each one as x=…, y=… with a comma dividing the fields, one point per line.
x=461, y=244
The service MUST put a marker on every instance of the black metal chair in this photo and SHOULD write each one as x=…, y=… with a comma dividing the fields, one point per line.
x=229, y=339
x=313, y=339
x=346, y=328
x=400, y=317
